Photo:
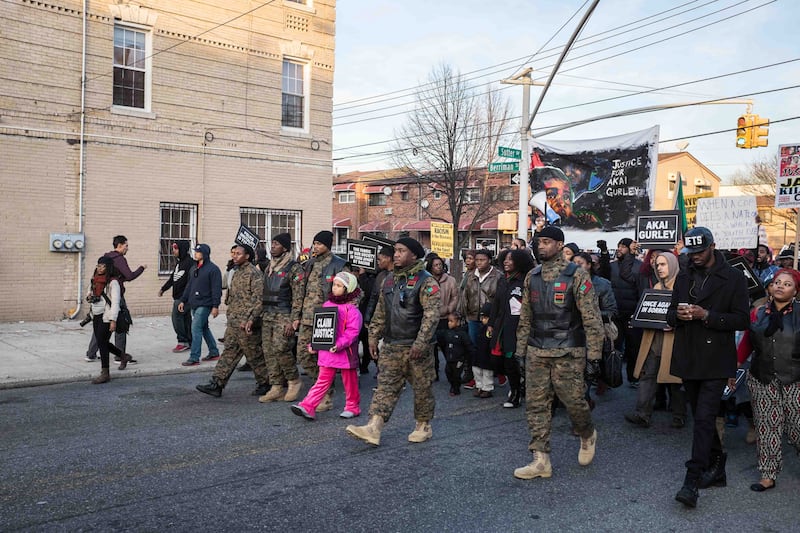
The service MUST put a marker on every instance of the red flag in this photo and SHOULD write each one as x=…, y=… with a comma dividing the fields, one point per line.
x=536, y=161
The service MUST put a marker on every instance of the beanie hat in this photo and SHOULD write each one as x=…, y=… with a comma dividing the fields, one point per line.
x=574, y=247
x=413, y=245
x=285, y=240
x=552, y=232
x=348, y=280
x=325, y=237
x=626, y=242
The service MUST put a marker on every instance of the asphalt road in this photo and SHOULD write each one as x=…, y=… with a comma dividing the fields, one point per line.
x=152, y=454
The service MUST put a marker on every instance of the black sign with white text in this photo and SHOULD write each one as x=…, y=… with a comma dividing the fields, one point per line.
x=247, y=237
x=362, y=254
x=651, y=312
x=323, y=334
x=755, y=289
x=658, y=228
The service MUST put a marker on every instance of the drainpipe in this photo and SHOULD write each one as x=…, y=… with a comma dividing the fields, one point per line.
x=81, y=170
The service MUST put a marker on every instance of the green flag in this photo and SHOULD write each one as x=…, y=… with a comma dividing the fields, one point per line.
x=680, y=205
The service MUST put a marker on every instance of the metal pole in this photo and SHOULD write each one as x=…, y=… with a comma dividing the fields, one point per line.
x=525, y=162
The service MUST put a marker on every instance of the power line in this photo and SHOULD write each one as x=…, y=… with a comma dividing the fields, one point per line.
x=771, y=122
x=573, y=59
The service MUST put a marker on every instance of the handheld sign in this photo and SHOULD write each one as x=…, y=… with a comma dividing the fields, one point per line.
x=651, y=313
x=323, y=334
x=380, y=241
x=657, y=228
x=755, y=289
x=486, y=244
x=362, y=254
x=247, y=237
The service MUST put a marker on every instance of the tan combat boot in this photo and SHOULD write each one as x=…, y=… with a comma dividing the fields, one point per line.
x=422, y=432
x=274, y=394
x=293, y=391
x=539, y=467
x=586, y=453
x=327, y=402
x=370, y=433
x=104, y=377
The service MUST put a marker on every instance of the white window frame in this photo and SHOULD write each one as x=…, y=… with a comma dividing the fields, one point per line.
x=306, y=69
x=377, y=200
x=437, y=195
x=472, y=195
x=175, y=230
x=147, y=67
x=268, y=230
x=347, y=197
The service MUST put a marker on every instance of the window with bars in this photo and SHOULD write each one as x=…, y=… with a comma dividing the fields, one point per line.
x=130, y=67
x=267, y=223
x=178, y=222
x=293, y=94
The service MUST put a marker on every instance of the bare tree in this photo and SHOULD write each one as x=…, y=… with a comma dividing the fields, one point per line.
x=448, y=139
x=759, y=179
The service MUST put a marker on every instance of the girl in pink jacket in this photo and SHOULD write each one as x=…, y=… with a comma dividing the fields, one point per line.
x=342, y=356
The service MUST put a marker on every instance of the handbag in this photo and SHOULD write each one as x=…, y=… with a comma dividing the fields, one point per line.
x=124, y=320
x=611, y=365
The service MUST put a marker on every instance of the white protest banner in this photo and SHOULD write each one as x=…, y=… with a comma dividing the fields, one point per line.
x=787, y=192
x=731, y=219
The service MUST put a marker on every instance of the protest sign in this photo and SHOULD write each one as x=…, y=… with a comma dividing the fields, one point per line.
x=442, y=239
x=731, y=219
x=323, y=333
x=651, y=312
x=658, y=228
x=787, y=191
x=362, y=254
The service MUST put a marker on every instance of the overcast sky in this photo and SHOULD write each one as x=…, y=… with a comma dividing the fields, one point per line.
x=385, y=46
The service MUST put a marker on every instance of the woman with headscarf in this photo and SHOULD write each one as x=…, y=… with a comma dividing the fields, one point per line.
x=655, y=356
x=774, y=375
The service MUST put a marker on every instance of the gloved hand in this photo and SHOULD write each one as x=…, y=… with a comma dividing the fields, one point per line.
x=592, y=371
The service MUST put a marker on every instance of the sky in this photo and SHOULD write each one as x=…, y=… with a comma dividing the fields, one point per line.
x=384, y=49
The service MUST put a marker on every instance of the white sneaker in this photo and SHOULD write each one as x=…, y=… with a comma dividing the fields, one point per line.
x=91, y=359
x=348, y=414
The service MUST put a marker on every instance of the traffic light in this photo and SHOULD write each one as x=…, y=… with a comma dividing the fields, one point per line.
x=743, y=131
x=759, y=132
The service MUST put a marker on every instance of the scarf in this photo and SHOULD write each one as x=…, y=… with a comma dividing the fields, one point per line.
x=351, y=297
x=775, y=316
x=99, y=282
x=278, y=263
x=408, y=272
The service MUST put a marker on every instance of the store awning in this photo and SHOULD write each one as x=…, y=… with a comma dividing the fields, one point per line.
x=377, y=225
x=374, y=189
x=342, y=223
x=344, y=187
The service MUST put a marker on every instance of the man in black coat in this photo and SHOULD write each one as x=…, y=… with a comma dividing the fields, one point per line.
x=709, y=304
x=625, y=282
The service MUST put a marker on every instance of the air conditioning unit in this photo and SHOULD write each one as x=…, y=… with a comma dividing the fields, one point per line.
x=387, y=211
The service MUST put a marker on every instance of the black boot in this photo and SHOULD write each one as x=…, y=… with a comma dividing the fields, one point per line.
x=513, y=399
x=688, y=494
x=261, y=389
x=715, y=475
x=212, y=388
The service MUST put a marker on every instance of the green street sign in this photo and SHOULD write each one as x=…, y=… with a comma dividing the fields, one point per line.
x=504, y=167
x=511, y=153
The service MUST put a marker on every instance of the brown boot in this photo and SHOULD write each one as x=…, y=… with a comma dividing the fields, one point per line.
x=371, y=433
x=422, y=432
x=327, y=402
x=104, y=377
x=293, y=390
x=124, y=360
x=275, y=394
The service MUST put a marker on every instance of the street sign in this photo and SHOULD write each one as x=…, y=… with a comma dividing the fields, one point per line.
x=504, y=167
x=515, y=179
x=511, y=153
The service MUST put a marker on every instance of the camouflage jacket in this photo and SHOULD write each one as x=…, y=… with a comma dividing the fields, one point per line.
x=244, y=294
x=314, y=296
x=586, y=301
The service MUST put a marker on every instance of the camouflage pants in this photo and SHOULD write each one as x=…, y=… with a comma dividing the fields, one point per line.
x=307, y=360
x=277, y=348
x=564, y=376
x=238, y=343
x=395, y=366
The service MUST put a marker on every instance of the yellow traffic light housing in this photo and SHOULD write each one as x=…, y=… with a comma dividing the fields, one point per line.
x=744, y=128
x=759, y=132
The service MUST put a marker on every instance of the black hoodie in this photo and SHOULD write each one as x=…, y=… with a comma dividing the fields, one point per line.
x=180, y=275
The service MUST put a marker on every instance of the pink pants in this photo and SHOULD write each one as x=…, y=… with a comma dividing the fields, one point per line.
x=324, y=382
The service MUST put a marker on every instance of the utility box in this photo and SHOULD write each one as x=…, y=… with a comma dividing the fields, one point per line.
x=67, y=242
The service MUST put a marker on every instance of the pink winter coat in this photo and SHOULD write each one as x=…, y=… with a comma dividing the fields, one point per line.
x=347, y=330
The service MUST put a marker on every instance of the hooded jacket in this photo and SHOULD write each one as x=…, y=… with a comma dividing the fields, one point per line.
x=204, y=287
x=180, y=276
x=125, y=273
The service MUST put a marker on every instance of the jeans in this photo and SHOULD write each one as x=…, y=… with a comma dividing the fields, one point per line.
x=200, y=331
x=182, y=323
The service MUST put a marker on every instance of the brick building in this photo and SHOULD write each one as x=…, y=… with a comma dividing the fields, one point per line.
x=195, y=116
x=394, y=203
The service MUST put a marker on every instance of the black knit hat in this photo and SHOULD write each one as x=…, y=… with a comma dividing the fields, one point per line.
x=626, y=242
x=413, y=245
x=285, y=240
x=552, y=232
x=325, y=237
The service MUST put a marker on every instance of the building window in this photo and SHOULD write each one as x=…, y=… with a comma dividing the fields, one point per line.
x=376, y=199
x=269, y=222
x=347, y=197
x=293, y=94
x=131, y=78
x=503, y=194
x=340, y=236
x=178, y=222
x=765, y=215
x=437, y=195
x=472, y=196
x=404, y=196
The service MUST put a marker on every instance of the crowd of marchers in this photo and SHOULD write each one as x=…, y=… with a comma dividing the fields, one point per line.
x=539, y=318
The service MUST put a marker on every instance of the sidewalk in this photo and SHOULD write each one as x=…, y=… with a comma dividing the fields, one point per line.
x=43, y=353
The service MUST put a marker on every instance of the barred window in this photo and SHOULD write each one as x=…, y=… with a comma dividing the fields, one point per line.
x=269, y=222
x=178, y=222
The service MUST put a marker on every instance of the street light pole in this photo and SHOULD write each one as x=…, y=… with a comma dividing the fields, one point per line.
x=524, y=79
